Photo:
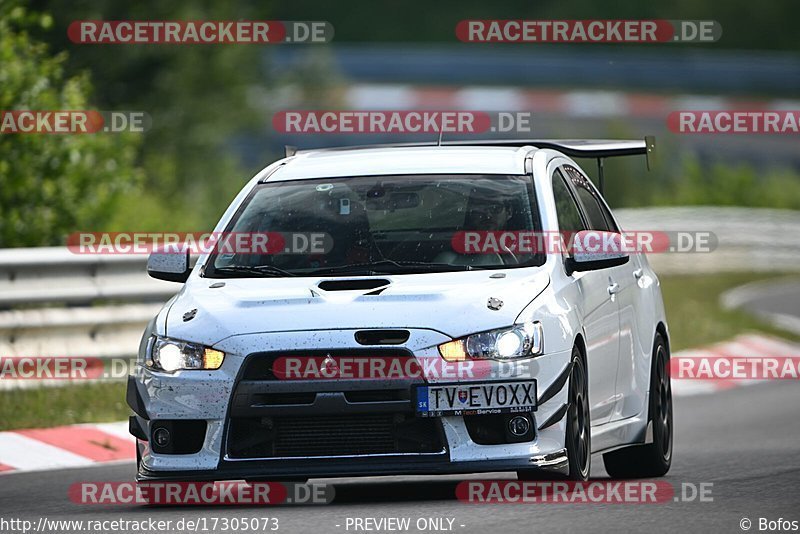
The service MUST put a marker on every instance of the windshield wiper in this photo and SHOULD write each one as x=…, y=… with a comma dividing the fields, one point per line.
x=259, y=270
x=386, y=266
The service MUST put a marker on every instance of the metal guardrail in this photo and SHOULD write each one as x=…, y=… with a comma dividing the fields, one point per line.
x=57, y=303
x=54, y=302
x=749, y=239
x=55, y=274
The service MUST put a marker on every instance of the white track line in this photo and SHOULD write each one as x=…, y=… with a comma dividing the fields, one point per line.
x=28, y=454
x=747, y=345
x=118, y=429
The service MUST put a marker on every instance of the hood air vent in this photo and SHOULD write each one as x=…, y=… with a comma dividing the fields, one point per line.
x=363, y=284
x=382, y=337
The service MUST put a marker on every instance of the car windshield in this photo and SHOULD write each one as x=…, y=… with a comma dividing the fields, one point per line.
x=379, y=225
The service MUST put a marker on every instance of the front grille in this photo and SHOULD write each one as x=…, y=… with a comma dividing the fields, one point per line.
x=259, y=366
x=376, y=395
x=282, y=399
x=358, y=434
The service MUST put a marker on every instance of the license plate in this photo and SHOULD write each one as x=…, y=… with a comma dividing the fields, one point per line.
x=476, y=398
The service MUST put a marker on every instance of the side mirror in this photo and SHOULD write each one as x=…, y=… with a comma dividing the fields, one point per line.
x=594, y=249
x=169, y=266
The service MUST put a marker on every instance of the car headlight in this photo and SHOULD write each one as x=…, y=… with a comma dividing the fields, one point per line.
x=170, y=355
x=520, y=341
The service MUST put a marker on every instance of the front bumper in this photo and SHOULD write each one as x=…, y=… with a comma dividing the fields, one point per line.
x=555, y=462
x=215, y=397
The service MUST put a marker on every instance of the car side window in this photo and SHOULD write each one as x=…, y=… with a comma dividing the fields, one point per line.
x=599, y=218
x=569, y=217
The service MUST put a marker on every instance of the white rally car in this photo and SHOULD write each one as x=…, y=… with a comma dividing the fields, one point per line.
x=420, y=335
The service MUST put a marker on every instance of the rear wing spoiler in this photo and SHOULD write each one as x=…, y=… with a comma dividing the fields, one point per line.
x=598, y=149
x=576, y=148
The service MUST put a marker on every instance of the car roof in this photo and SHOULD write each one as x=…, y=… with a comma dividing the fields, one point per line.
x=330, y=163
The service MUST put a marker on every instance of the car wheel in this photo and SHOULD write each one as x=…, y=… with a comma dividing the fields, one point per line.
x=579, y=428
x=653, y=459
x=578, y=435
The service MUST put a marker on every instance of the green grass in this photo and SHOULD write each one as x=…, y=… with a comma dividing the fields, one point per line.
x=693, y=311
x=55, y=406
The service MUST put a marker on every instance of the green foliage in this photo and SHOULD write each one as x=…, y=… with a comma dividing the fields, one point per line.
x=201, y=99
x=678, y=178
x=71, y=404
x=53, y=184
x=688, y=182
x=725, y=185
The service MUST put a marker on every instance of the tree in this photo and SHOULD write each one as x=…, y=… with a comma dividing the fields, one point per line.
x=53, y=184
x=205, y=102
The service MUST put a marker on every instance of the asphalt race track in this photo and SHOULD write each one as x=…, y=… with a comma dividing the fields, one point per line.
x=742, y=440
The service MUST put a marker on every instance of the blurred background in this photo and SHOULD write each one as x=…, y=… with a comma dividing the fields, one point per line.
x=212, y=105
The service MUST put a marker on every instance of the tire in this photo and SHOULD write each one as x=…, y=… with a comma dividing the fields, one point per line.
x=578, y=437
x=653, y=459
x=579, y=427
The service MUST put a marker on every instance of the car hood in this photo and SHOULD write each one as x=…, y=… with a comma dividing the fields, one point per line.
x=454, y=303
